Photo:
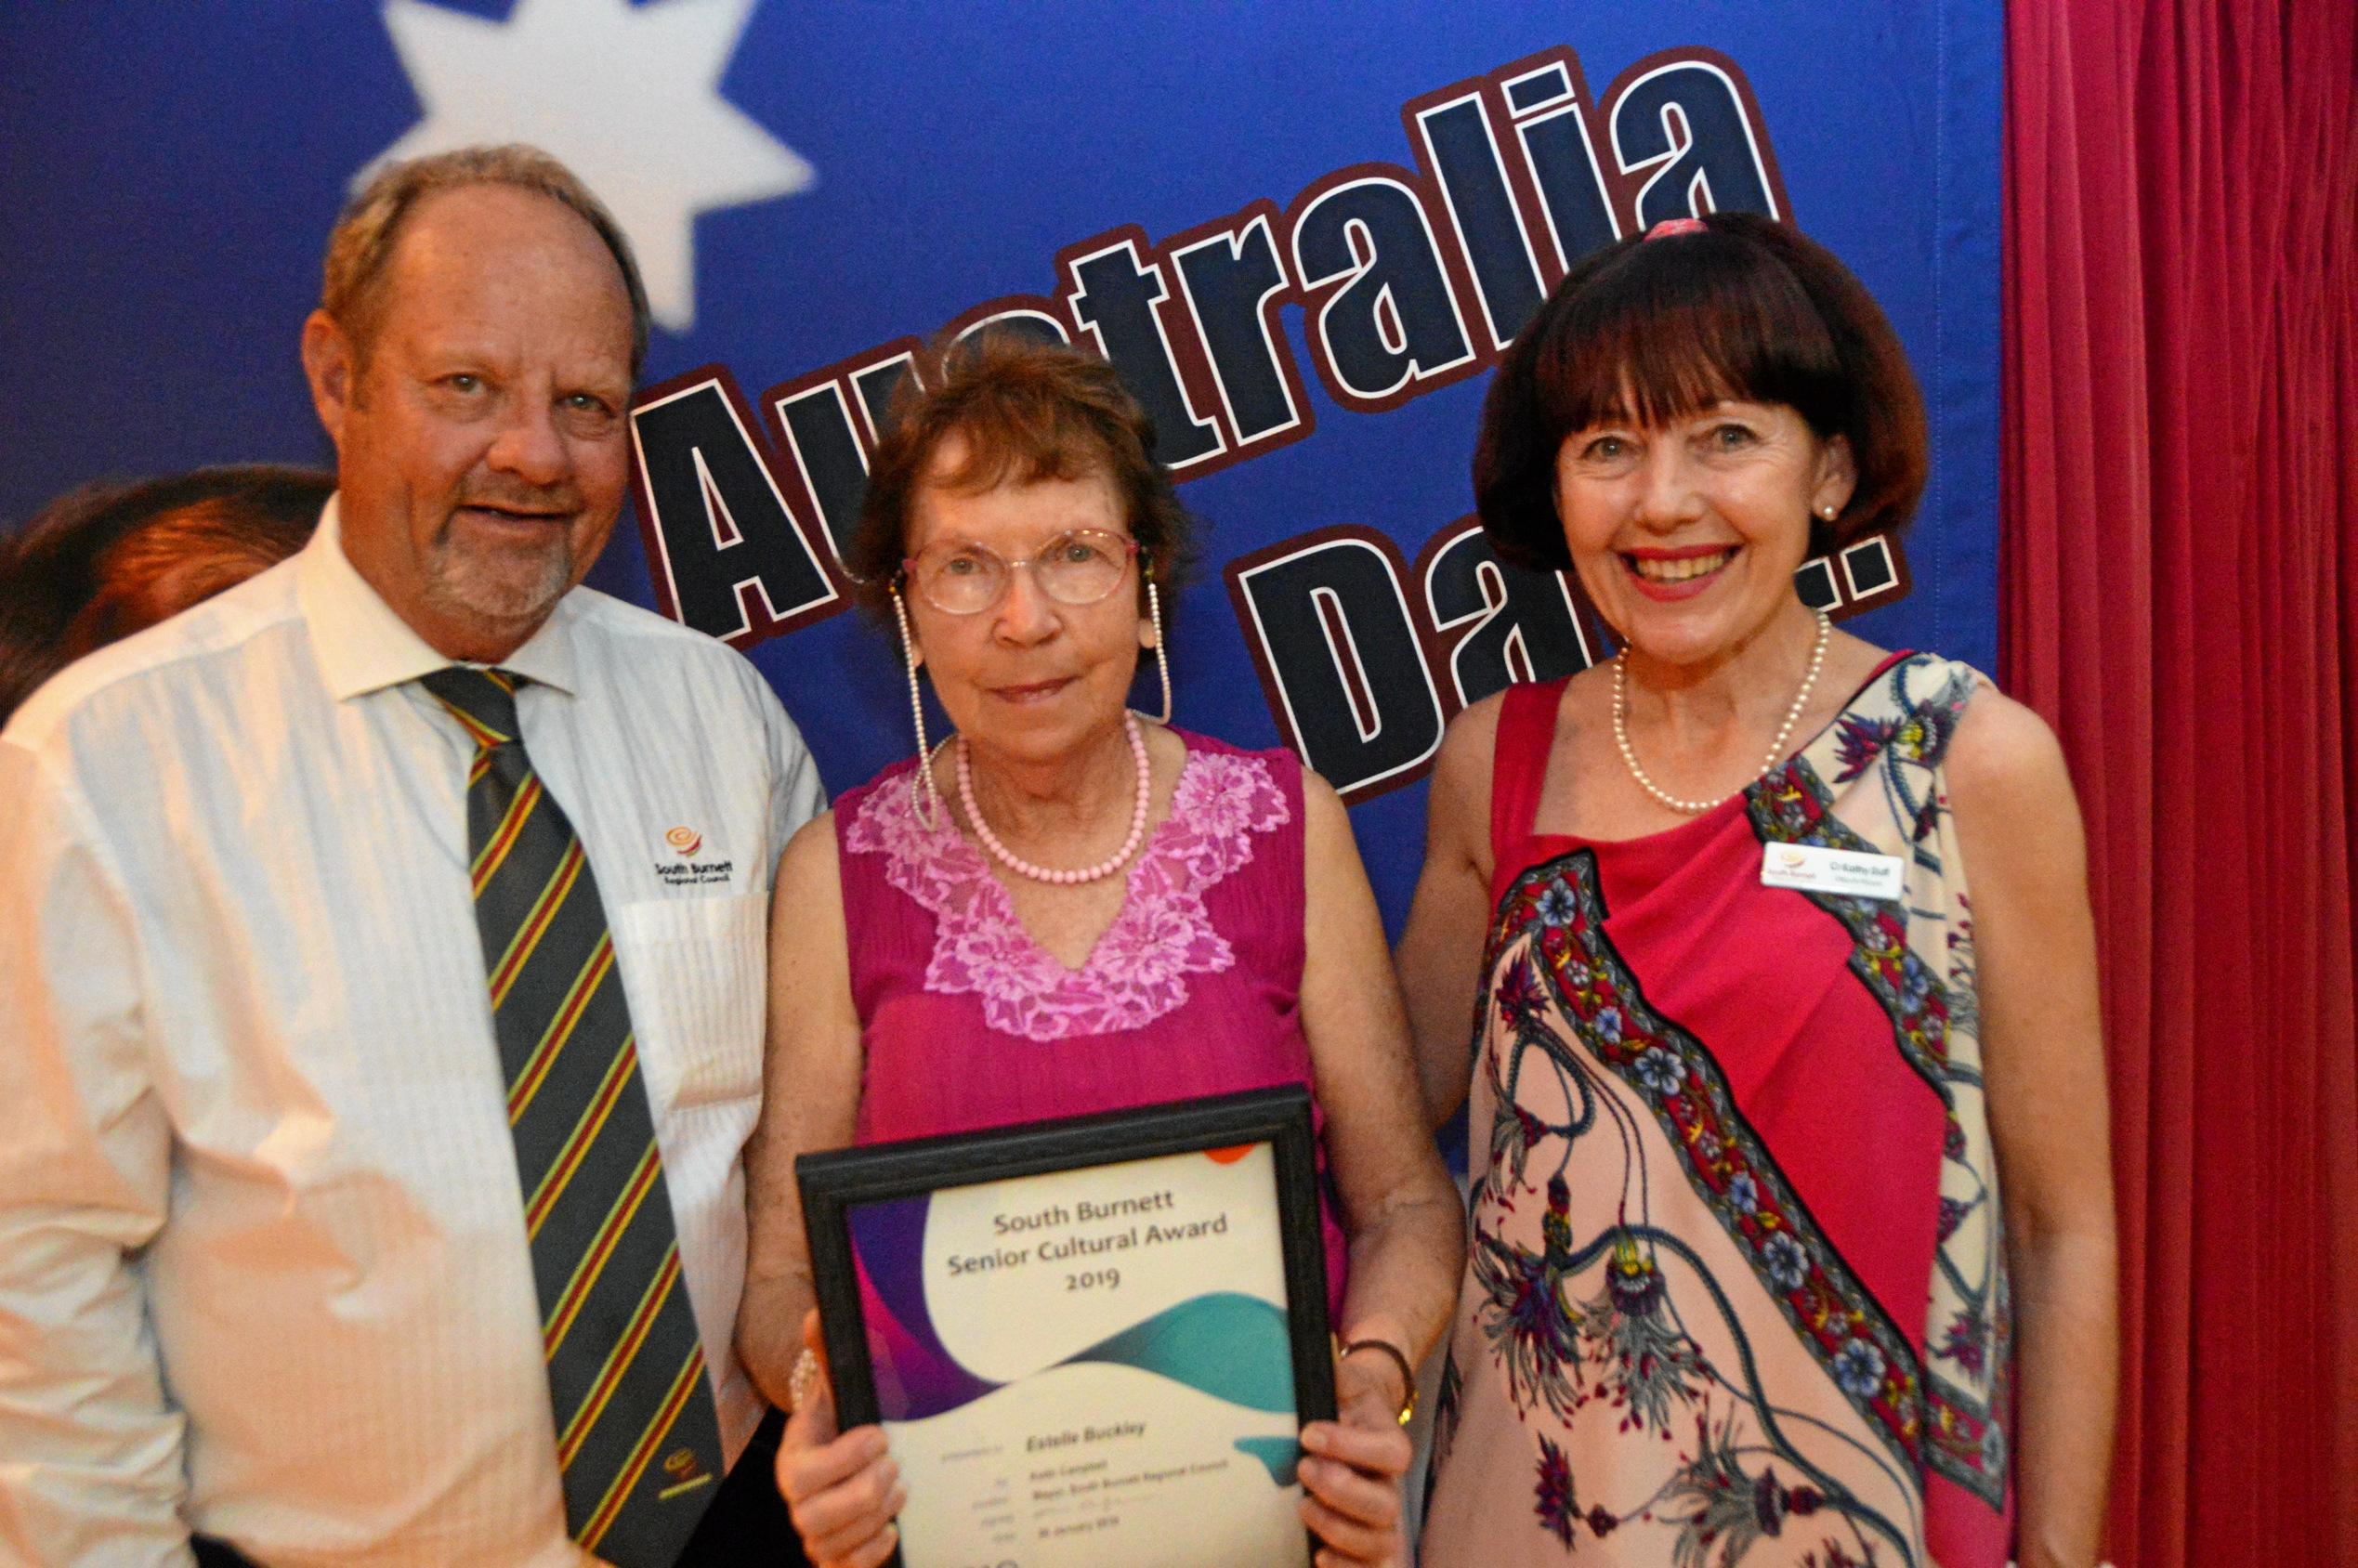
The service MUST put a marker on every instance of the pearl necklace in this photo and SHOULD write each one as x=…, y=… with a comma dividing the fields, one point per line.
x=1775, y=749
x=1024, y=868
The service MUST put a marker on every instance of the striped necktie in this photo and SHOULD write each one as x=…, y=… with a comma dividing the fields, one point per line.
x=637, y=1439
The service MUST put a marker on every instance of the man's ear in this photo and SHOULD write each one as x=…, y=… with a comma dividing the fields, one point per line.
x=332, y=368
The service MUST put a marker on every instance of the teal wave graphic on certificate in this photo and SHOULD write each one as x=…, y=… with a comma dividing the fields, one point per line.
x=1231, y=1346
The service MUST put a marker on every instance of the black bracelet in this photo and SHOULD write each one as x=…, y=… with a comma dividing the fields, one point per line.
x=1408, y=1373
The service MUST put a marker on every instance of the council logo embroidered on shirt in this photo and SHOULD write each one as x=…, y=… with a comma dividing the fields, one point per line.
x=686, y=871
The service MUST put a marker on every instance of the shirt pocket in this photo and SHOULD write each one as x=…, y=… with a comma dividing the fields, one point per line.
x=695, y=972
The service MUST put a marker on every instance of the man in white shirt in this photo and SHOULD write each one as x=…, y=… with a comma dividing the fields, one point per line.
x=382, y=975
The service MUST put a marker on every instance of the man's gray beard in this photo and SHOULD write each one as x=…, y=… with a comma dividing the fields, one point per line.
x=451, y=585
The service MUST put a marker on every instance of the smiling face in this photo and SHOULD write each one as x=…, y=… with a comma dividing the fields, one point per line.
x=1686, y=535
x=1030, y=678
x=479, y=431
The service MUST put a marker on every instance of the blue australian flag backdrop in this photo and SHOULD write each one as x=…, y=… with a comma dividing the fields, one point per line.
x=1303, y=233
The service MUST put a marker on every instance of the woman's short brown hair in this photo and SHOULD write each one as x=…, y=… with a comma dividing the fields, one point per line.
x=1652, y=329
x=1027, y=411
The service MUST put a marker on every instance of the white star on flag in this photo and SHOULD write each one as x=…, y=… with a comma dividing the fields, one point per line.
x=628, y=97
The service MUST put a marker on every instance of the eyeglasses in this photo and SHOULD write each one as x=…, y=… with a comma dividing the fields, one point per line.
x=1077, y=566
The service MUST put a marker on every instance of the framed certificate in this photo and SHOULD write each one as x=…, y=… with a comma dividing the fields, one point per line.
x=1091, y=1342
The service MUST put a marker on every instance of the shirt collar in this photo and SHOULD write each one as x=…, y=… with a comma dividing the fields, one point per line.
x=363, y=645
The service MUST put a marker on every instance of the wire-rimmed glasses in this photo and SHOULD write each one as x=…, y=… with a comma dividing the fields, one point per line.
x=1077, y=567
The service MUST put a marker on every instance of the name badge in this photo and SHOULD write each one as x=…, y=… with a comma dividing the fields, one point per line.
x=1808, y=869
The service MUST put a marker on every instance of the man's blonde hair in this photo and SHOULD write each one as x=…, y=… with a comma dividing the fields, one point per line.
x=364, y=238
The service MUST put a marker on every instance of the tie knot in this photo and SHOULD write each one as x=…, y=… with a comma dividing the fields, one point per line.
x=484, y=700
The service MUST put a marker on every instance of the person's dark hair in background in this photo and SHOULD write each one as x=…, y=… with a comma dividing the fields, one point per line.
x=108, y=559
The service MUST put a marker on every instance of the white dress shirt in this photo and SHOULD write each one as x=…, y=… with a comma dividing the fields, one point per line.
x=263, y=1268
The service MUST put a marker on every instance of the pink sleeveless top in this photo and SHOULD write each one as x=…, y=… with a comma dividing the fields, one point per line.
x=1195, y=989
x=1737, y=1283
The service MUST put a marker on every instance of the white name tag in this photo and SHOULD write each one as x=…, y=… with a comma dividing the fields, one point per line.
x=1809, y=869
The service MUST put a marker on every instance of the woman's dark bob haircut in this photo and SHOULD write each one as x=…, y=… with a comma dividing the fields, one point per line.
x=1024, y=411
x=1654, y=330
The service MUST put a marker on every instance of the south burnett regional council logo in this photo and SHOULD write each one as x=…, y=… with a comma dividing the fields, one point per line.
x=685, y=872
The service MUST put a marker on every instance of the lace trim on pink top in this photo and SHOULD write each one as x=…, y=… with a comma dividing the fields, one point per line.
x=1138, y=970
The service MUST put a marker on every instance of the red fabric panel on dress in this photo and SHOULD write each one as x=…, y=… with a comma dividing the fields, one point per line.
x=1519, y=772
x=1814, y=1068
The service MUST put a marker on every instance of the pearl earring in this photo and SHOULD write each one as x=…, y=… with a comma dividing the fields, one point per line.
x=1829, y=510
x=1162, y=659
x=924, y=795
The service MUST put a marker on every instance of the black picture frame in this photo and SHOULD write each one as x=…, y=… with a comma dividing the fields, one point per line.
x=835, y=1182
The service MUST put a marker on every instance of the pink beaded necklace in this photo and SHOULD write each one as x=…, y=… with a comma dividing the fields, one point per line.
x=1024, y=868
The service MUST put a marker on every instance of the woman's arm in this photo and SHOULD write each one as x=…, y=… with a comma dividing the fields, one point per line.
x=1399, y=1209
x=1398, y=1206
x=842, y=1487
x=2018, y=831
x=810, y=1098
x=1440, y=953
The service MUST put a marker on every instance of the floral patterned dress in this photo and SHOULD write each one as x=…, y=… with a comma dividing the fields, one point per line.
x=1735, y=1293
x=1195, y=989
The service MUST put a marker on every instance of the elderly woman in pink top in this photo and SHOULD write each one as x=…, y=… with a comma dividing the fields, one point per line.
x=1068, y=909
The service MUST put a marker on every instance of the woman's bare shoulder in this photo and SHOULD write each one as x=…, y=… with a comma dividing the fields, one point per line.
x=806, y=895
x=2005, y=754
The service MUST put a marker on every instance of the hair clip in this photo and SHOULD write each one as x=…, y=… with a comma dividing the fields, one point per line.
x=1675, y=226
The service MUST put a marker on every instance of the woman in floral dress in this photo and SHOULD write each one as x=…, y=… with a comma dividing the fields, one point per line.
x=1752, y=1062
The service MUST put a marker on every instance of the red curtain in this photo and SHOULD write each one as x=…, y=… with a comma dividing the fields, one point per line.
x=2179, y=561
